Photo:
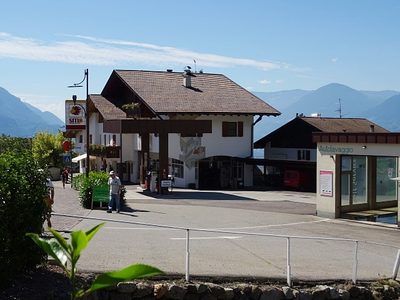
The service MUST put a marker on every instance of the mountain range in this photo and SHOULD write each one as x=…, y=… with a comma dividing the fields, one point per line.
x=332, y=100
x=20, y=119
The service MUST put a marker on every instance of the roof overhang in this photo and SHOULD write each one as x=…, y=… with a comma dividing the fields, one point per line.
x=357, y=138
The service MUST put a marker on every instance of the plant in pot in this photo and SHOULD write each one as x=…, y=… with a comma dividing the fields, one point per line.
x=132, y=109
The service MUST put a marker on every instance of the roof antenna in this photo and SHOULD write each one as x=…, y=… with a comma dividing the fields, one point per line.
x=340, y=108
x=194, y=65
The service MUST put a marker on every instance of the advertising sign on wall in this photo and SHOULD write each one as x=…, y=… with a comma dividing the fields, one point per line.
x=326, y=183
x=75, y=115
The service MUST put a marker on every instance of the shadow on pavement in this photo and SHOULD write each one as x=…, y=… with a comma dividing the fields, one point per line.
x=197, y=195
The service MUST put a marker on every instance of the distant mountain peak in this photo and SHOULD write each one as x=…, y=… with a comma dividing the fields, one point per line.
x=21, y=119
x=335, y=87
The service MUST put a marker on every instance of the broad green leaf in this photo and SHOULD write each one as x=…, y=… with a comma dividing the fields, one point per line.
x=51, y=247
x=90, y=233
x=60, y=240
x=79, y=242
x=132, y=272
x=59, y=251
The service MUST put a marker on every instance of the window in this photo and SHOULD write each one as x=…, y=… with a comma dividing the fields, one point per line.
x=80, y=138
x=114, y=140
x=105, y=140
x=231, y=129
x=90, y=139
x=191, y=135
x=353, y=180
x=238, y=170
x=177, y=168
x=303, y=154
x=386, y=189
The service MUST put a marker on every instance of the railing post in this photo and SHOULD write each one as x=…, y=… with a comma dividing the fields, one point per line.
x=355, y=262
x=288, y=268
x=396, y=265
x=187, y=276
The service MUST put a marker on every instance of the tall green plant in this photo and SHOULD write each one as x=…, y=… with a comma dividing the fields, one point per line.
x=22, y=210
x=67, y=256
x=86, y=185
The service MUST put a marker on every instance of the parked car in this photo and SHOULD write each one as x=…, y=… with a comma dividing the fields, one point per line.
x=301, y=180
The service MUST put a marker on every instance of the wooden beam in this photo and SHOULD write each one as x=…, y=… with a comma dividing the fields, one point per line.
x=157, y=126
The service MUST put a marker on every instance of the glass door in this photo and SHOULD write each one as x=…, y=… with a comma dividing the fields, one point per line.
x=386, y=189
x=353, y=180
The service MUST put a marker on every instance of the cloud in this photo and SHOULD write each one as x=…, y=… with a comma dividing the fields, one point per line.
x=95, y=51
x=265, y=81
x=334, y=59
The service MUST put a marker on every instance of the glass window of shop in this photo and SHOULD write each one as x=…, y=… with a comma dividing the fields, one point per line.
x=353, y=180
x=386, y=189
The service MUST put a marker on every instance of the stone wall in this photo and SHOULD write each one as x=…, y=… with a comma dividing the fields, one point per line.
x=180, y=290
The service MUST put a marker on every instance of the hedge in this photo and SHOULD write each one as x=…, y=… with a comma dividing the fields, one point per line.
x=22, y=186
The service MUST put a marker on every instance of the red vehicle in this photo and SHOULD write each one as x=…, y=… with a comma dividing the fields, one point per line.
x=298, y=180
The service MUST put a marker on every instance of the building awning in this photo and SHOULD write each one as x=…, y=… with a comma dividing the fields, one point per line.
x=79, y=158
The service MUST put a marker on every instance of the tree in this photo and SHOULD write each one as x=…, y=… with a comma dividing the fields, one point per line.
x=47, y=148
x=14, y=144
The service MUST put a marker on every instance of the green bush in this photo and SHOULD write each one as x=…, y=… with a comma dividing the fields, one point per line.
x=22, y=186
x=86, y=185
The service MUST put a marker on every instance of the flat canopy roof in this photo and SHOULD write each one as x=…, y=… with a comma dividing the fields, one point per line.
x=157, y=126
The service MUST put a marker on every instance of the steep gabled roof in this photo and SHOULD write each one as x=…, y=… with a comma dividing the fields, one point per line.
x=107, y=109
x=164, y=92
x=299, y=130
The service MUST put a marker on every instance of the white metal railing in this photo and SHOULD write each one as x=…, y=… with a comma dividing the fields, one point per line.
x=287, y=237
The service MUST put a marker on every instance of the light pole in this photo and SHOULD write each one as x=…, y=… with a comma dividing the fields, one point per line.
x=86, y=111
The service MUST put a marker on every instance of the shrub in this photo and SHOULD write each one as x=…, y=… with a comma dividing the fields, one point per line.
x=86, y=185
x=22, y=186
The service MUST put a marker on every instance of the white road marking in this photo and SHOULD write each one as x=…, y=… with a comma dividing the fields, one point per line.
x=136, y=228
x=271, y=225
x=210, y=238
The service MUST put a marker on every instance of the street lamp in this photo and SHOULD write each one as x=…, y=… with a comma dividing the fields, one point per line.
x=86, y=111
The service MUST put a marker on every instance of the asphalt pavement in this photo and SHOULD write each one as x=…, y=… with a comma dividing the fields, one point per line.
x=232, y=233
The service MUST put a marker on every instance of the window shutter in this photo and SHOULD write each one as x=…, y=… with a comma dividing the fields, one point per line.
x=224, y=129
x=240, y=128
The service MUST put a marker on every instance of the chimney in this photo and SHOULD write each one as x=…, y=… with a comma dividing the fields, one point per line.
x=187, y=78
x=371, y=128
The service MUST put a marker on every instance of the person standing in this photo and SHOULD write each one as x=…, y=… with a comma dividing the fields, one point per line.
x=64, y=177
x=49, y=200
x=115, y=188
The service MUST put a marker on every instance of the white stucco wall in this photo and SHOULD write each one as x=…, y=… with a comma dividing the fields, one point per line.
x=231, y=146
x=326, y=205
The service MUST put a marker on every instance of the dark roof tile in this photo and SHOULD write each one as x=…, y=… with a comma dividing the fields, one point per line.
x=343, y=124
x=164, y=92
x=108, y=110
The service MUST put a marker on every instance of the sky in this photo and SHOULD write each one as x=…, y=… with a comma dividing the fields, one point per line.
x=263, y=45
